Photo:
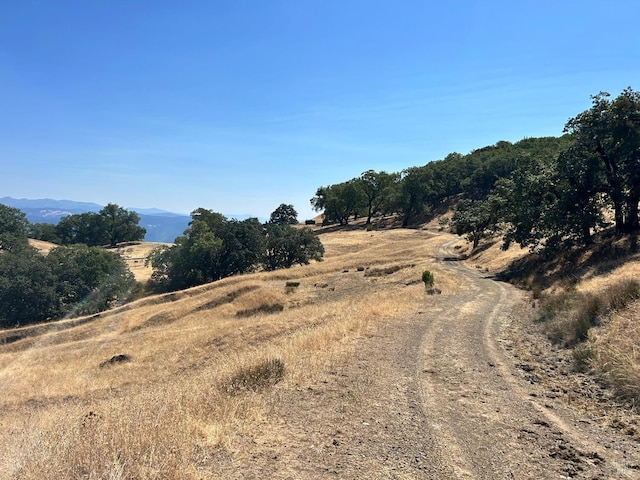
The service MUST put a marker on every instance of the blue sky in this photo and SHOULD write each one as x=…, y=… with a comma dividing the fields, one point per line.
x=238, y=106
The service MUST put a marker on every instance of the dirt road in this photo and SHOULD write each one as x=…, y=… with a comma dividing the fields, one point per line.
x=449, y=392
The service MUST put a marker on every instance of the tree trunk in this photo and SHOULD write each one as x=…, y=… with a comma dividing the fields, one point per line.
x=632, y=223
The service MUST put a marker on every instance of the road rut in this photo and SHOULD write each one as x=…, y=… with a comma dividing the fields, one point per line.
x=441, y=394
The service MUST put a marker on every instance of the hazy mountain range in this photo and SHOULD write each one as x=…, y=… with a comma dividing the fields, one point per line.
x=161, y=225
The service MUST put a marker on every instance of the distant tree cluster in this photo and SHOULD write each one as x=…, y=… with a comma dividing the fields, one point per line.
x=111, y=225
x=544, y=193
x=214, y=247
x=76, y=279
x=370, y=194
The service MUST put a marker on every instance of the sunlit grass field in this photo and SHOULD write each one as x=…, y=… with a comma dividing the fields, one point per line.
x=158, y=387
x=146, y=390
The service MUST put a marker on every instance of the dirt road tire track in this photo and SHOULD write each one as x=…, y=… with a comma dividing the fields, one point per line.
x=441, y=394
x=487, y=412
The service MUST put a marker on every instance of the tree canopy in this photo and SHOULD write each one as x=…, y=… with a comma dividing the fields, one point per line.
x=70, y=280
x=545, y=193
x=110, y=226
x=285, y=214
x=214, y=247
x=13, y=228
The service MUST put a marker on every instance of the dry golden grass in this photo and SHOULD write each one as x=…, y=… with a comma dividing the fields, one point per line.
x=615, y=352
x=134, y=254
x=43, y=246
x=167, y=411
x=591, y=280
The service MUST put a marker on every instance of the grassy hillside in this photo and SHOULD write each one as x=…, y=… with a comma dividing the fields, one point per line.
x=153, y=386
x=159, y=387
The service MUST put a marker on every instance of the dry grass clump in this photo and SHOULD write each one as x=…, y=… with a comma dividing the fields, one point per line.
x=380, y=272
x=604, y=329
x=265, y=308
x=570, y=314
x=256, y=377
x=613, y=352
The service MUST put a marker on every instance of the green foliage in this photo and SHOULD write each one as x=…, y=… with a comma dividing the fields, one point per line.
x=68, y=281
x=87, y=228
x=121, y=225
x=340, y=202
x=89, y=279
x=214, y=247
x=606, y=142
x=287, y=246
x=284, y=215
x=113, y=224
x=13, y=229
x=428, y=279
x=27, y=288
x=378, y=189
x=45, y=232
x=477, y=219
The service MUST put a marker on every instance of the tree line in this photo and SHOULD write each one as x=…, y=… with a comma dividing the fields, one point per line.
x=544, y=193
x=81, y=277
x=111, y=225
x=70, y=280
x=214, y=247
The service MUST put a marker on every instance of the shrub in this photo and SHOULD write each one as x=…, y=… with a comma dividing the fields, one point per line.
x=380, y=272
x=427, y=278
x=571, y=314
x=621, y=294
x=264, y=308
x=256, y=378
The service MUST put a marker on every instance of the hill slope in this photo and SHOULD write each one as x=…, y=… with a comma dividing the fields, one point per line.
x=339, y=368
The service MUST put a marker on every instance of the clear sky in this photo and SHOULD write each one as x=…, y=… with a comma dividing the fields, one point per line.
x=240, y=105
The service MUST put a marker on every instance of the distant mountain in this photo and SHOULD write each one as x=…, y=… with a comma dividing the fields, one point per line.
x=50, y=204
x=161, y=226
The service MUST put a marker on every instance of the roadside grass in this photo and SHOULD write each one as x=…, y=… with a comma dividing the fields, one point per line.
x=603, y=328
x=613, y=352
x=167, y=411
x=587, y=300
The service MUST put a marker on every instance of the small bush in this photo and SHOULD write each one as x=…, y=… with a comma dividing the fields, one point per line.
x=583, y=355
x=371, y=228
x=380, y=272
x=256, y=378
x=571, y=314
x=264, y=308
x=621, y=294
x=121, y=358
x=290, y=287
x=427, y=278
